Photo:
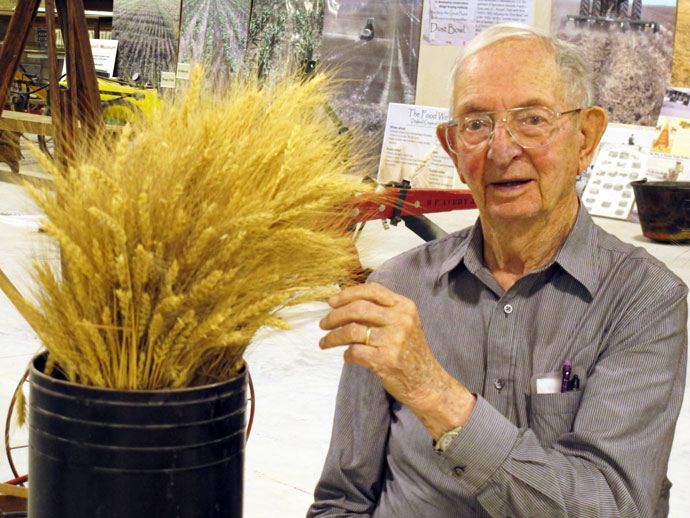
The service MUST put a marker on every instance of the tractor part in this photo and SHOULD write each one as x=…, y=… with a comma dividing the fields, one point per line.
x=607, y=13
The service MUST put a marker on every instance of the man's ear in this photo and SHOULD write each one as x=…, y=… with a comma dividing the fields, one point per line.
x=441, y=136
x=593, y=121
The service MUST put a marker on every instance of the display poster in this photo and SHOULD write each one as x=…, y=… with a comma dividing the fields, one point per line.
x=629, y=46
x=284, y=33
x=411, y=150
x=608, y=191
x=669, y=158
x=104, y=54
x=639, y=137
x=681, y=46
x=148, y=32
x=213, y=33
x=373, y=47
x=621, y=158
x=455, y=22
x=670, y=149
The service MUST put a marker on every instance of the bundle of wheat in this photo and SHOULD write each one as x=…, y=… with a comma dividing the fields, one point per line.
x=185, y=236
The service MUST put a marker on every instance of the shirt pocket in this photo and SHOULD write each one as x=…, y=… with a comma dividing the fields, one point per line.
x=552, y=415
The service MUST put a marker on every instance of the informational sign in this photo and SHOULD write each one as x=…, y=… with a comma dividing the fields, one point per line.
x=183, y=70
x=608, y=192
x=167, y=80
x=455, y=22
x=411, y=150
x=104, y=54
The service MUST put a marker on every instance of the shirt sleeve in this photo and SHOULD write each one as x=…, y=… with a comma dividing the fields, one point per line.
x=613, y=461
x=353, y=473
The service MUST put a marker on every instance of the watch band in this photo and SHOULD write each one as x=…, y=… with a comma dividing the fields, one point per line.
x=444, y=441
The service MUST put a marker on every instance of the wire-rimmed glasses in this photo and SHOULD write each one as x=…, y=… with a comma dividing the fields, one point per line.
x=529, y=126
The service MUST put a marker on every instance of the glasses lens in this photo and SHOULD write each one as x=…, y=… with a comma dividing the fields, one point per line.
x=533, y=126
x=469, y=134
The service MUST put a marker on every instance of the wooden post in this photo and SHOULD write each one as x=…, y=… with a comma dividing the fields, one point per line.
x=14, y=43
x=76, y=111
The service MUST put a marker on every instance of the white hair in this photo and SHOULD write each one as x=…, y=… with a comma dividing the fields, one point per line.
x=575, y=74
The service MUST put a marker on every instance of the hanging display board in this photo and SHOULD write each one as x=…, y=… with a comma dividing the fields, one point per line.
x=437, y=55
x=213, y=33
x=373, y=46
x=670, y=150
x=284, y=33
x=456, y=22
x=629, y=45
x=411, y=150
x=148, y=33
x=681, y=46
x=608, y=192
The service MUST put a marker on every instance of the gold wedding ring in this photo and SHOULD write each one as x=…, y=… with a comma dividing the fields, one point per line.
x=366, y=340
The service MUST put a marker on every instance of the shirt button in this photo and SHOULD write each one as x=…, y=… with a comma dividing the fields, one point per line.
x=499, y=384
x=458, y=470
x=508, y=309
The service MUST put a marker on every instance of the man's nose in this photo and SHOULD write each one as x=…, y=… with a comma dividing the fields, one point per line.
x=502, y=146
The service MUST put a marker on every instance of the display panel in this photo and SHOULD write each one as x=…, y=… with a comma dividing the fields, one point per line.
x=629, y=46
x=148, y=33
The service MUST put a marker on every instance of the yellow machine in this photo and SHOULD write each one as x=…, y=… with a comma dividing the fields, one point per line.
x=121, y=101
x=125, y=102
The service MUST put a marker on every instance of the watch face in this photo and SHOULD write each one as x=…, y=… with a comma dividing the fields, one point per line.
x=445, y=440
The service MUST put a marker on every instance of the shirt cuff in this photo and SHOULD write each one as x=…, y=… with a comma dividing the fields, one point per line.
x=480, y=449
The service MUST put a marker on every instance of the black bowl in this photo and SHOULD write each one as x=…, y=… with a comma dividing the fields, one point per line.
x=664, y=209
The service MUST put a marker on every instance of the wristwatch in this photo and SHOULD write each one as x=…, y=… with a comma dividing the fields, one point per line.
x=445, y=439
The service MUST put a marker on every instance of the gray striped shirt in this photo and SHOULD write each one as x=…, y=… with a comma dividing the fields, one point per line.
x=614, y=311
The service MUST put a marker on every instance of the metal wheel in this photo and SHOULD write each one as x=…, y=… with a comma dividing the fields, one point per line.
x=596, y=8
x=623, y=9
x=636, y=13
x=585, y=7
x=10, y=445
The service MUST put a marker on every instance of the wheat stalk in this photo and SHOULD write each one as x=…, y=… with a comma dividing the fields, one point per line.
x=191, y=231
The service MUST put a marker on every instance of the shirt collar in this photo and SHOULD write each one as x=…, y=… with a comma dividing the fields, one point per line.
x=471, y=250
x=577, y=253
x=575, y=256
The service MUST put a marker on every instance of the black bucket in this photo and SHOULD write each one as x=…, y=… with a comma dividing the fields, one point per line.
x=102, y=453
x=664, y=209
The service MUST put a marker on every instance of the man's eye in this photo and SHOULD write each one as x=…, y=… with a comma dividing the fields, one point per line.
x=533, y=120
x=475, y=124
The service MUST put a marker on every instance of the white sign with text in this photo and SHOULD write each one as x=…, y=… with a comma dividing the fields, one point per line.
x=455, y=22
x=411, y=150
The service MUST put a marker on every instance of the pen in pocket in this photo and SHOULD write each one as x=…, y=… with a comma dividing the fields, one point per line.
x=565, y=380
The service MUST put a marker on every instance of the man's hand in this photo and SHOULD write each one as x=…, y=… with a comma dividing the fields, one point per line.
x=397, y=352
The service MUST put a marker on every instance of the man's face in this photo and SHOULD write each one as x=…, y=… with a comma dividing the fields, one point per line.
x=507, y=181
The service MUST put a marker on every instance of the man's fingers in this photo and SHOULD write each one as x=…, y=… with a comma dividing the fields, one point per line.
x=361, y=355
x=371, y=291
x=352, y=333
x=359, y=311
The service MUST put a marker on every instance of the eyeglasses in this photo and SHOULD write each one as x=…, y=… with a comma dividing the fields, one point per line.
x=529, y=126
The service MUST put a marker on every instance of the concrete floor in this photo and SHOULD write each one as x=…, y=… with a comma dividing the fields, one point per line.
x=295, y=381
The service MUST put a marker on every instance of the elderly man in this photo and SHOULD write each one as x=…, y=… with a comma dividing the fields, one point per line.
x=458, y=397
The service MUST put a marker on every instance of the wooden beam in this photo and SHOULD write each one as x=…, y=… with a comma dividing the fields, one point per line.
x=26, y=123
x=9, y=489
x=14, y=43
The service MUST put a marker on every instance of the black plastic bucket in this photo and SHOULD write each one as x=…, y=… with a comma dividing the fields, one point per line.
x=664, y=209
x=101, y=453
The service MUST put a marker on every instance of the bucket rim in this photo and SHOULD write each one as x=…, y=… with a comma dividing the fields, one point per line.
x=35, y=373
x=661, y=183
